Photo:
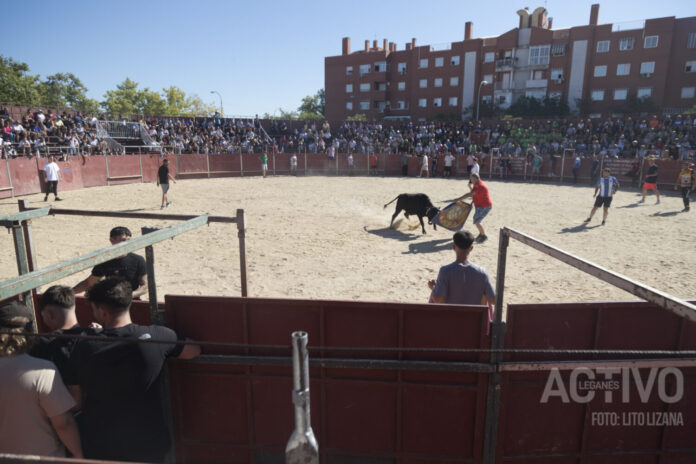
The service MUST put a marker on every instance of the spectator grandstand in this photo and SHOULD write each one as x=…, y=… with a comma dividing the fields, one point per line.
x=69, y=133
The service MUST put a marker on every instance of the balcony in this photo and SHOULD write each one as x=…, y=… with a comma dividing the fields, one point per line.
x=505, y=63
x=504, y=86
x=537, y=83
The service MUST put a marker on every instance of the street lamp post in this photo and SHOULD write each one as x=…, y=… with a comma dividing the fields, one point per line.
x=222, y=113
x=478, y=100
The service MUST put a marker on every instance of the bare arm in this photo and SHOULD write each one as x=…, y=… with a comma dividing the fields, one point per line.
x=85, y=284
x=142, y=287
x=66, y=428
x=190, y=351
x=595, y=191
x=171, y=178
x=466, y=195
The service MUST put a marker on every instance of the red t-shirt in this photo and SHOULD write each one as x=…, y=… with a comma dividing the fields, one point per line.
x=480, y=195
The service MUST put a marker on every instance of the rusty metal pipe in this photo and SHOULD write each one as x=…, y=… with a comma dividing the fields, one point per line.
x=302, y=448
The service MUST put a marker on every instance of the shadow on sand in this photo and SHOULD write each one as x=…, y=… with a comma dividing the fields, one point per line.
x=666, y=213
x=581, y=228
x=393, y=234
x=433, y=246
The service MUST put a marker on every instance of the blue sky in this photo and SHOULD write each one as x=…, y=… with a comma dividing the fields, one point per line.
x=260, y=55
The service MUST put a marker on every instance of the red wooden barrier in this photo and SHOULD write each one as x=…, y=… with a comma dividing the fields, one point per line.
x=5, y=181
x=225, y=165
x=25, y=175
x=191, y=166
x=151, y=164
x=124, y=169
x=226, y=413
x=279, y=163
x=319, y=163
x=574, y=429
x=70, y=175
x=93, y=171
x=252, y=164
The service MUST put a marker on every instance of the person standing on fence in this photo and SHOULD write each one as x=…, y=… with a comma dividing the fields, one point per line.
x=462, y=282
x=264, y=164
x=482, y=202
x=651, y=181
x=121, y=385
x=606, y=187
x=163, y=178
x=686, y=181
x=475, y=168
x=424, y=166
x=449, y=159
x=52, y=171
x=293, y=164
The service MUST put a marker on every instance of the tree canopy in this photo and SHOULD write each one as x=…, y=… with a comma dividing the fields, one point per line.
x=65, y=90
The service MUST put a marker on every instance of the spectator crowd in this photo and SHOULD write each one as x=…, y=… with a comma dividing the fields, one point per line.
x=71, y=134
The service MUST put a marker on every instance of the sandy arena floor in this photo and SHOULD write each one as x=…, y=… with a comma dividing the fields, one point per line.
x=327, y=238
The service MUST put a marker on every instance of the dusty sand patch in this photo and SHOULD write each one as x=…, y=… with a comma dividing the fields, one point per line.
x=325, y=237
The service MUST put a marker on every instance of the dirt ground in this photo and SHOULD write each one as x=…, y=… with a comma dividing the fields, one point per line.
x=328, y=238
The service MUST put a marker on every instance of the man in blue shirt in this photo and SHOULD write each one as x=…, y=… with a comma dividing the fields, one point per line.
x=606, y=187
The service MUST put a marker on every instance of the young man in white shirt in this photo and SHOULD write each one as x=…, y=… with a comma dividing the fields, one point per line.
x=52, y=171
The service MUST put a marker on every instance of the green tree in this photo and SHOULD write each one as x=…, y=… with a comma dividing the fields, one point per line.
x=195, y=106
x=312, y=106
x=16, y=84
x=357, y=117
x=125, y=100
x=62, y=90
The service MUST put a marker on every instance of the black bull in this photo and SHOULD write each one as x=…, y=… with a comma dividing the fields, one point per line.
x=417, y=204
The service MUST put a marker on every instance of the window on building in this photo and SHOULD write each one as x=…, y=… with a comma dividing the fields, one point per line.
x=423, y=83
x=454, y=61
x=365, y=87
x=600, y=71
x=381, y=86
x=437, y=82
x=647, y=68
x=644, y=92
x=454, y=81
x=422, y=102
x=627, y=43
x=401, y=85
x=365, y=105
x=487, y=99
x=381, y=66
x=557, y=74
x=349, y=106
x=690, y=66
x=691, y=40
x=423, y=63
x=401, y=105
x=401, y=67
x=439, y=62
x=501, y=99
x=489, y=57
x=623, y=69
x=539, y=54
x=597, y=95
x=603, y=46
x=437, y=102
x=349, y=70
x=364, y=69
x=620, y=94
x=349, y=88
x=688, y=92
x=488, y=78
x=558, y=49
x=453, y=101
x=650, y=41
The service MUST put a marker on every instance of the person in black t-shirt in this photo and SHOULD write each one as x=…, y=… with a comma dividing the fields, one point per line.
x=57, y=309
x=651, y=181
x=120, y=384
x=130, y=267
x=163, y=178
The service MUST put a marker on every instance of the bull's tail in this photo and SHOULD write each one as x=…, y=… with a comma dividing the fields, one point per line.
x=397, y=197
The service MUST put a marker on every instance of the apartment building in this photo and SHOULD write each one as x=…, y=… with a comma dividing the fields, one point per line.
x=597, y=66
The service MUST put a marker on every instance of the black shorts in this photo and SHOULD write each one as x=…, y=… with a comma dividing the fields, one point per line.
x=603, y=201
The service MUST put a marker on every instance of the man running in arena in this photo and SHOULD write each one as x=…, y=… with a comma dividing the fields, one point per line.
x=686, y=180
x=606, y=187
x=482, y=202
x=651, y=181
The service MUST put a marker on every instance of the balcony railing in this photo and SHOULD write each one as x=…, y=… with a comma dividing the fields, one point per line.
x=505, y=85
x=537, y=83
x=505, y=62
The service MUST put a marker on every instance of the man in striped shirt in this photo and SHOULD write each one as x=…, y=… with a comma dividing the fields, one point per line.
x=606, y=187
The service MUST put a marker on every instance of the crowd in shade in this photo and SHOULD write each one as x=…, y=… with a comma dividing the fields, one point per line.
x=668, y=136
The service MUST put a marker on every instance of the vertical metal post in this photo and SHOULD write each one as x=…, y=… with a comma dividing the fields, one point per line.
x=497, y=343
x=155, y=316
x=9, y=176
x=207, y=163
x=176, y=163
x=106, y=162
x=273, y=153
x=305, y=163
x=241, y=233
x=140, y=160
x=490, y=169
x=28, y=238
x=241, y=164
x=23, y=266
x=562, y=166
x=302, y=448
